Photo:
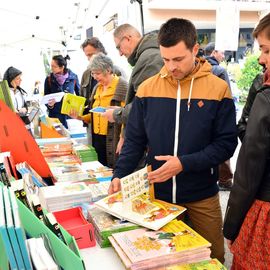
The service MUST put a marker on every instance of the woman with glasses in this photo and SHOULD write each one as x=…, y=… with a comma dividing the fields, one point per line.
x=110, y=91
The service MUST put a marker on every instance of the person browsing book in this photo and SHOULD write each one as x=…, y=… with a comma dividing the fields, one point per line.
x=247, y=218
x=142, y=53
x=13, y=77
x=61, y=79
x=185, y=117
x=109, y=91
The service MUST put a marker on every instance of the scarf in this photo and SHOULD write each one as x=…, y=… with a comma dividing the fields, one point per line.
x=61, y=78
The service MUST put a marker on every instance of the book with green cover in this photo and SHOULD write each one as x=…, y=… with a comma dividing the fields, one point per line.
x=72, y=102
x=105, y=225
x=5, y=94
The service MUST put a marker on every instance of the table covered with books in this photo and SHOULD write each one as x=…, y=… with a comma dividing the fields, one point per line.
x=150, y=238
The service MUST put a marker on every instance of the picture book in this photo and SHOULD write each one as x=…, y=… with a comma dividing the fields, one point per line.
x=174, y=243
x=212, y=264
x=105, y=225
x=98, y=110
x=72, y=102
x=4, y=234
x=138, y=205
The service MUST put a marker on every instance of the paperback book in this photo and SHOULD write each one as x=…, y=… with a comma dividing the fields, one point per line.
x=175, y=243
x=105, y=225
x=72, y=102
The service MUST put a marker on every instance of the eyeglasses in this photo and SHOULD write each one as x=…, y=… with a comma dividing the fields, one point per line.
x=96, y=73
x=118, y=46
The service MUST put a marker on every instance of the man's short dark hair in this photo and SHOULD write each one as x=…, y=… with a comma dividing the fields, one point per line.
x=175, y=30
x=263, y=26
x=94, y=42
x=209, y=48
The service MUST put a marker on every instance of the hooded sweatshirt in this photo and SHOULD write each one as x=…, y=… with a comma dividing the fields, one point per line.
x=146, y=62
x=193, y=119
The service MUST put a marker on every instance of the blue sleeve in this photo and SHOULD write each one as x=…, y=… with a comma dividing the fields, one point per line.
x=77, y=86
x=135, y=141
x=223, y=142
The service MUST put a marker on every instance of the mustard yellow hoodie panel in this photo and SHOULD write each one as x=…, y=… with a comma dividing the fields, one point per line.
x=205, y=86
x=103, y=98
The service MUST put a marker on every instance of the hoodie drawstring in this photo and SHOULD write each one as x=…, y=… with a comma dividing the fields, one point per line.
x=176, y=137
x=190, y=92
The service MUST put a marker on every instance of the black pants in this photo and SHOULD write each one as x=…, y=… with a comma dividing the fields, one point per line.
x=99, y=142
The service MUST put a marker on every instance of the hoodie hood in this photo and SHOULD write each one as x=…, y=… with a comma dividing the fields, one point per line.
x=149, y=41
x=212, y=60
x=203, y=68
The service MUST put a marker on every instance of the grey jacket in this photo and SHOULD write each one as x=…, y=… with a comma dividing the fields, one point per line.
x=146, y=62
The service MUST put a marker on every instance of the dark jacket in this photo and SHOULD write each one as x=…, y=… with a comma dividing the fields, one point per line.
x=71, y=85
x=146, y=62
x=114, y=129
x=207, y=134
x=218, y=70
x=252, y=175
x=255, y=87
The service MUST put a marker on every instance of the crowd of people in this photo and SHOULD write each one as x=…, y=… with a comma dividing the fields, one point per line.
x=176, y=113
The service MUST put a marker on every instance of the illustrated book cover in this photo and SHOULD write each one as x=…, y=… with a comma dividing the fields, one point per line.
x=174, y=243
x=136, y=203
x=105, y=225
x=72, y=102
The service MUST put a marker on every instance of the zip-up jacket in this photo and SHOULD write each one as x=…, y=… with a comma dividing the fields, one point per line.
x=193, y=119
x=252, y=175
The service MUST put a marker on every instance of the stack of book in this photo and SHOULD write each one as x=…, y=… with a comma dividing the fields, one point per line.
x=175, y=243
x=66, y=168
x=76, y=128
x=212, y=264
x=99, y=190
x=64, y=195
x=105, y=225
x=85, y=152
x=56, y=149
x=96, y=170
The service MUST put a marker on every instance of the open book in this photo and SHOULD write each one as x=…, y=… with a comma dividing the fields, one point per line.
x=136, y=203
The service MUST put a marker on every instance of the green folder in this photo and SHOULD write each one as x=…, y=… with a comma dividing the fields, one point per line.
x=68, y=257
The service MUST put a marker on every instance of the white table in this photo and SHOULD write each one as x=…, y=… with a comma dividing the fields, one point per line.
x=97, y=258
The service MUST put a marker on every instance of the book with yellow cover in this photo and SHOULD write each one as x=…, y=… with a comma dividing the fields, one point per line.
x=72, y=102
x=212, y=264
x=136, y=203
x=175, y=243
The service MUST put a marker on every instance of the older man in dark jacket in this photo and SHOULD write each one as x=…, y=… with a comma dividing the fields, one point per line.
x=143, y=55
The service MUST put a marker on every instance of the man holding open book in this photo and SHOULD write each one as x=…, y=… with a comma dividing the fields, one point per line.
x=185, y=118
